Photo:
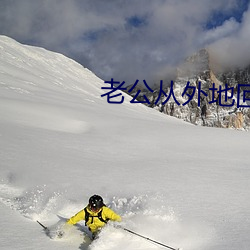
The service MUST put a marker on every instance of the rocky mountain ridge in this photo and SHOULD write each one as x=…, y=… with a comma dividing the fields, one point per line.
x=202, y=94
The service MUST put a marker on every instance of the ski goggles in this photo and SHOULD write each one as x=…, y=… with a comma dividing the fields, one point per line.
x=94, y=208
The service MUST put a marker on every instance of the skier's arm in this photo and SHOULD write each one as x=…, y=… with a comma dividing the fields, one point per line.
x=77, y=217
x=110, y=214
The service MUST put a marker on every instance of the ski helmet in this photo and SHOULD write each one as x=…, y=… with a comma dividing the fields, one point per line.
x=95, y=202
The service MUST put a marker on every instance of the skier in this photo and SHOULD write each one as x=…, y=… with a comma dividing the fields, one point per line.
x=95, y=214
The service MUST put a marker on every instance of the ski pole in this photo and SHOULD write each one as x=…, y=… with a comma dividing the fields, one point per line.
x=45, y=228
x=146, y=238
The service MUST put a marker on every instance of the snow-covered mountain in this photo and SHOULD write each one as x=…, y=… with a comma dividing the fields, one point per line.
x=182, y=185
x=201, y=71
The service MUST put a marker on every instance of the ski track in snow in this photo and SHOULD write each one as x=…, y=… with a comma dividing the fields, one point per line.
x=43, y=117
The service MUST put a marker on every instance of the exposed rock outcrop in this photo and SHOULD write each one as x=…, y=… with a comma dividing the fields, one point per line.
x=195, y=97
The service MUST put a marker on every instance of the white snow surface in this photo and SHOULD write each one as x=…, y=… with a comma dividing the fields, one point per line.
x=61, y=142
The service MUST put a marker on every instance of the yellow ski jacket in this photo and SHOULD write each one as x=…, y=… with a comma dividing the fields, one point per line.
x=94, y=223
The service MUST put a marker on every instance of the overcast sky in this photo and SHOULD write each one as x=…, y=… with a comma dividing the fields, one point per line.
x=131, y=39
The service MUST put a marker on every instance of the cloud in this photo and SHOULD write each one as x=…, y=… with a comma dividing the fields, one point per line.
x=126, y=40
x=232, y=50
x=226, y=29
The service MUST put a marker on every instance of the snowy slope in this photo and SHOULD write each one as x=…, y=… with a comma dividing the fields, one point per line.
x=61, y=142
